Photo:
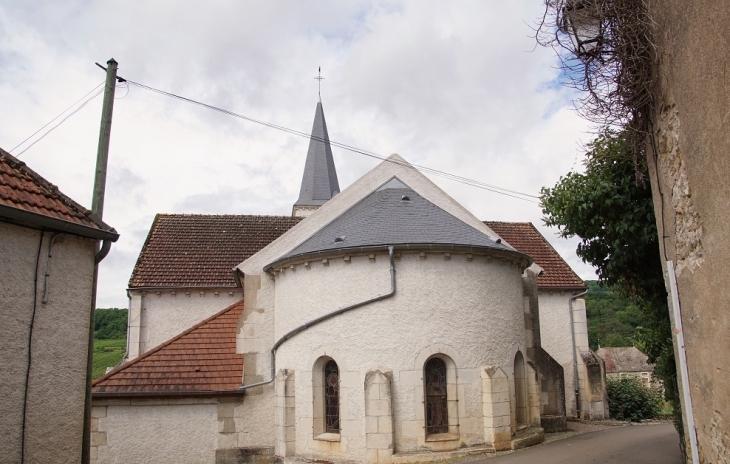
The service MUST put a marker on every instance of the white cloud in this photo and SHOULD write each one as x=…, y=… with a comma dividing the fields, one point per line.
x=456, y=86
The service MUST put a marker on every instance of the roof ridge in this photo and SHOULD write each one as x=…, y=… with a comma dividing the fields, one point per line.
x=165, y=344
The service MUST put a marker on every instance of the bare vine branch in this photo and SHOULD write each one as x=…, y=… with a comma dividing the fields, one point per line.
x=615, y=71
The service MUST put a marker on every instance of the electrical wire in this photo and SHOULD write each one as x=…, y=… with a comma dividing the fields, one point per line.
x=30, y=346
x=436, y=172
x=88, y=100
x=62, y=113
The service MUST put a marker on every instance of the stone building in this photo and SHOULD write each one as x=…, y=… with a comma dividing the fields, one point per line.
x=386, y=325
x=627, y=361
x=689, y=170
x=48, y=253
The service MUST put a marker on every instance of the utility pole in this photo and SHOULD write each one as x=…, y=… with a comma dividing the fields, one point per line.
x=102, y=154
x=97, y=209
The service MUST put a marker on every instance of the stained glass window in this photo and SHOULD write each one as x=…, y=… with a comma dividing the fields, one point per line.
x=437, y=413
x=332, y=397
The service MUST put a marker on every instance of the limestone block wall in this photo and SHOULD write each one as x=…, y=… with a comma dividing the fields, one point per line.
x=496, y=408
x=157, y=315
x=57, y=378
x=285, y=421
x=471, y=318
x=379, y=439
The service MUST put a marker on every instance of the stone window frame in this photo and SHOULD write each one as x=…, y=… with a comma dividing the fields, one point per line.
x=452, y=401
x=319, y=426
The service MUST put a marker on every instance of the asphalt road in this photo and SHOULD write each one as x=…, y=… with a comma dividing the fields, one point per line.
x=639, y=444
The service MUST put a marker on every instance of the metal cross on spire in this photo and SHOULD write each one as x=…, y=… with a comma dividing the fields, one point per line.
x=319, y=83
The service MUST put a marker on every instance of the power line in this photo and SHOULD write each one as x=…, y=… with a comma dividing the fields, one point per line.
x=52, y=120
x=436, y=172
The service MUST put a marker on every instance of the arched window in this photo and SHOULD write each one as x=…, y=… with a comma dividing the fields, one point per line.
x=437, y=410
x=331, y=397
x=520, y=392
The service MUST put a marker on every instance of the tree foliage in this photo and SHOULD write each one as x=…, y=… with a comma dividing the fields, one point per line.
x=629, y=400
x=612, y=318
x=110, y=323
x=613, y=215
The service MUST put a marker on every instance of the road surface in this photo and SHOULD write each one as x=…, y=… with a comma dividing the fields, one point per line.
x=637, y=444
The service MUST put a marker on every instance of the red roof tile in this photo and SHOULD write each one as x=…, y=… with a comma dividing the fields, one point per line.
x=525, y=238
x=197, y=250
x=29, y=199
x=201, y=359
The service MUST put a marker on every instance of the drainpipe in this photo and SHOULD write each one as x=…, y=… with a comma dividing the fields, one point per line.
x=327, y=316
x=576, y=384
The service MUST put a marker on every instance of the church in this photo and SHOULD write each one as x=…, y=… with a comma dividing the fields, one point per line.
x=383, y=323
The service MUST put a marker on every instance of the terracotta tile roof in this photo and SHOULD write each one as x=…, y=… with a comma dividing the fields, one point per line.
x=196, y=250
x=201, y=359
x=27, y=198
x=525, y=238
x=625, y=359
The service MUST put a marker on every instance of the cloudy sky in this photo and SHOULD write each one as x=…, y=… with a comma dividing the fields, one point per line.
x=456, y=86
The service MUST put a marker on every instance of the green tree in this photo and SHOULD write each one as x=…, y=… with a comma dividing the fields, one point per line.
x=613, y=215
x=110, y=323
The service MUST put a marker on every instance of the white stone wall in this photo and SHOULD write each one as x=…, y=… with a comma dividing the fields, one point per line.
x=156, y=431
x=556, y=337
x=56, y=389
x=469, y=310
x=156, y=316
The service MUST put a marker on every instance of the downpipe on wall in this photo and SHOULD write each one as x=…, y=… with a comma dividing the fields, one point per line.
x=576, y=383
x=323, y=318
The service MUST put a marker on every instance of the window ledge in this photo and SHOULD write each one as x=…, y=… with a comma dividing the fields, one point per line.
x=442, y=437
x=328, y=437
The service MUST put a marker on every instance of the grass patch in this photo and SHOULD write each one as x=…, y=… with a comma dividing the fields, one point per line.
x=107, y=353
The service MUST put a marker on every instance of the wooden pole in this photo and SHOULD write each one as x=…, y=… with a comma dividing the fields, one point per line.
x=97, y=208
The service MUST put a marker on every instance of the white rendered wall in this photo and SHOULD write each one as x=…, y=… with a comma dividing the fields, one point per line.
x=57, y=381
x=470, y=311
x=150, y=432
x=156, y=316
x=556, y=337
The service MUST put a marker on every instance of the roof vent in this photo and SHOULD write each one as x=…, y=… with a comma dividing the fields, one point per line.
x=499, y=240
x=405, y=198
x=341, y=238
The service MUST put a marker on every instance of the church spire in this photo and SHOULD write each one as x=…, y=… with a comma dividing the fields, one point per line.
x=319, y=182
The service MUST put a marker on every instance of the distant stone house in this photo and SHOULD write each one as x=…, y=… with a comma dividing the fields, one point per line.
x=627, y=361
x=235, y=347
x=47, y=256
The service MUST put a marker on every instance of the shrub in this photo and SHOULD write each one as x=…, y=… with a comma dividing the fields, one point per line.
x=629, y=400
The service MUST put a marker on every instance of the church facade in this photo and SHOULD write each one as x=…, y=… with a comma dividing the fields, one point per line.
x=387, y=325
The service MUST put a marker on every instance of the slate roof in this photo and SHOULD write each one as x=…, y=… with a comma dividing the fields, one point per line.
x=525, y=238
x=385, y=217
x=624, y=359
x=197, y=250
x=28, y=199
x=202, y=359
x=319, y=182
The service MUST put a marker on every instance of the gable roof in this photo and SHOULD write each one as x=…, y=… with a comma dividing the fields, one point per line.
x=525, y=238
x=393, y=214
x=624, y=359
x=198, y=250
x=28, y=199
x=202, y=359
x=319, y=181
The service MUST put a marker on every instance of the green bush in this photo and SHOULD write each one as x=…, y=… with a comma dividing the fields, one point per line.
x=629, y=400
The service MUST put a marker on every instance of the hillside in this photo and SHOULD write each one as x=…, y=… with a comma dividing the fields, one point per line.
x=612, y=320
